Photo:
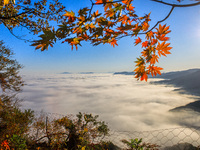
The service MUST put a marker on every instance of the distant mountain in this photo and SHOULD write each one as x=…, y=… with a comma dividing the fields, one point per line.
x=78, y=73
x=124, y=73
x=172, y=75
x=188, y=80
x=86, y=72
x=66, y=73
x=195, y=106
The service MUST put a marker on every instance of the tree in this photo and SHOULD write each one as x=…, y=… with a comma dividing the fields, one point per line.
x=13, y=121
x=9, y=70
x=117, y=20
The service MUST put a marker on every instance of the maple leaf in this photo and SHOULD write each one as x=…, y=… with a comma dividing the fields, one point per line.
x=162, y=37
x=145, y=44
x=109, y=13
x=83, y=11
x=140, y=61
x=138, y=40
x=149, y=35
x=154, y=41
x=78, y=30
x=154, y=70
x=127, y=1
x=130, y=7
x=108, y=5
x=145, y=26
x=124, y=19
x=70, y=15
x=47, y=38
x=154, y=59
x=109, y=32
x=113, y=42
x=163, y=48
x=162, y=29
x=144, y=77
x=101, y=1
x=140, y=71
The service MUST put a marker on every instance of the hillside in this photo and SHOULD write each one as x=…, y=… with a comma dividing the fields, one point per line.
x=187, y=81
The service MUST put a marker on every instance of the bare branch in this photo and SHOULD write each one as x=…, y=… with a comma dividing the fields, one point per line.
x=13, y=33
x=17, y=15
x=177, y=5
x=161, y=20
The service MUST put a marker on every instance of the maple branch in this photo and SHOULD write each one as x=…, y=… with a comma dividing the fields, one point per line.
x=108, y=2
x=177, y=5
x=152, y=27
x=28, y=11
x=91, y=9
x=17, y=15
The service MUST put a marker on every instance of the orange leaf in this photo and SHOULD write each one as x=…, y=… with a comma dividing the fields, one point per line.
x=144, y=77
x=153, y=41
x=130, y=7
x=138, y=40
x=101, y=1
x=127, y=1
x=108, y=5
x=154, y=59
x=145, y=44
x=114, y=42
x=145, y=26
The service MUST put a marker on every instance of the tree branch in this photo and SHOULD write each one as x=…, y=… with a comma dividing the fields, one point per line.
x=152, y=27
x=160, y=20
x=177, y=5
x=13, y=33
x=14, y=16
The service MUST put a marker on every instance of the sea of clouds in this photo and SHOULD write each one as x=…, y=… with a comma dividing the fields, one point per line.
x=124, y=103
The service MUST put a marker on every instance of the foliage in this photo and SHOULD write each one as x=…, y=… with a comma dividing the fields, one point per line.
x=18, y=142
x=13, y=121
x=70, y=133
x=136, y=144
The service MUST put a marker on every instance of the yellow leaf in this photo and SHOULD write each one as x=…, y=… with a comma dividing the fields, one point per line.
x=6, y=2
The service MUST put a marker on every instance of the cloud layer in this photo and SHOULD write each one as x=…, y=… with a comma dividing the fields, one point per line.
x=121, y=101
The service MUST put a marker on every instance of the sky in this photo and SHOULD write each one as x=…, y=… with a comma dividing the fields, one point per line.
x=184, y=38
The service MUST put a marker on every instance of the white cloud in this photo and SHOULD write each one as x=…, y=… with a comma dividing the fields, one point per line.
x=124, y=103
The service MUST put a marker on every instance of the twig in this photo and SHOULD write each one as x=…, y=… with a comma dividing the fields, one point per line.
x=177, y=5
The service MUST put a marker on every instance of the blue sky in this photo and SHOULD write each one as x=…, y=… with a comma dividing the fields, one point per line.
x=184, y=38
